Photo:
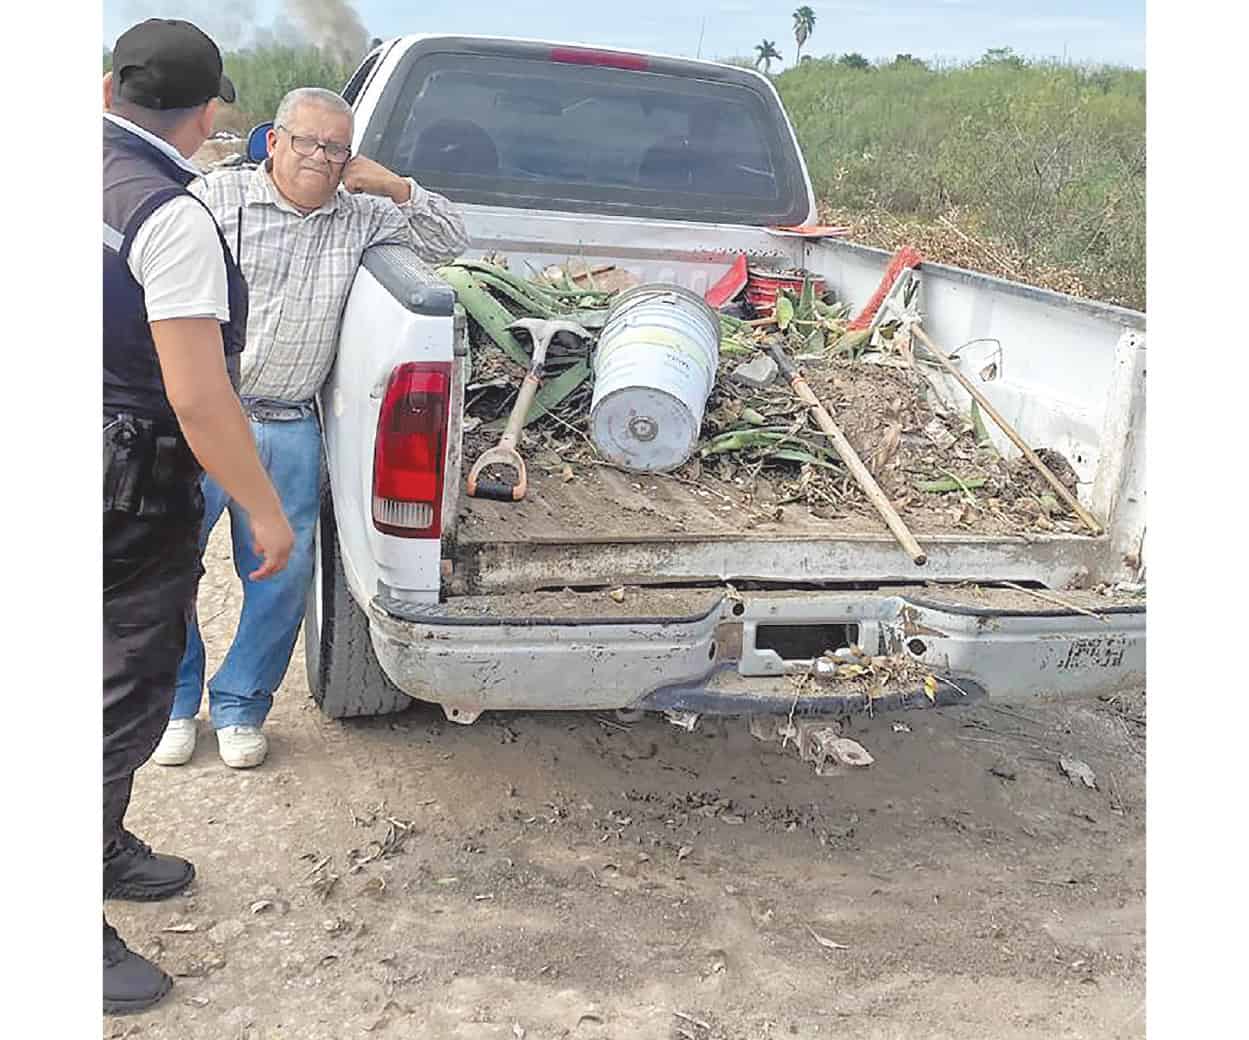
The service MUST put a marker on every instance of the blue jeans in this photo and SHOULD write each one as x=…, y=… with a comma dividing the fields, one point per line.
x=241, y=692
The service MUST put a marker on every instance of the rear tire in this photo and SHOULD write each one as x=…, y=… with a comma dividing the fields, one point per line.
x=343, y=674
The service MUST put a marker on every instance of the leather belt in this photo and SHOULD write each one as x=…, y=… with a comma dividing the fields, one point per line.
x=261, y=409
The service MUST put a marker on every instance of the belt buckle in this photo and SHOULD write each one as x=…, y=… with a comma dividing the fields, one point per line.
x=267, y=413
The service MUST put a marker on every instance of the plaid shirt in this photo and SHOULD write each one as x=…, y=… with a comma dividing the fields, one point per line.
x=299, y=268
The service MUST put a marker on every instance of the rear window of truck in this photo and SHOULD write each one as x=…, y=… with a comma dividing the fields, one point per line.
x=529, y=130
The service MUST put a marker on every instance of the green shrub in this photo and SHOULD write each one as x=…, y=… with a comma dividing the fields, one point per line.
x=1047, y=158
x=263, y=75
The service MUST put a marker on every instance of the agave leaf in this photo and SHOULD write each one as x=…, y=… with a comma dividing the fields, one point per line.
x=784, y=311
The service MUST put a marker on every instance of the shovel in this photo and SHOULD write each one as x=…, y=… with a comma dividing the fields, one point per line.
x=504, y=454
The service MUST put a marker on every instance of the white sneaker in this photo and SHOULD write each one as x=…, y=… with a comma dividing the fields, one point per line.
x=242, y=747
x=177, y=745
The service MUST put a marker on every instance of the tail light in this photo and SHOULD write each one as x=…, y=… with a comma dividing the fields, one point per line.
x=409, y=451
x=605, y=59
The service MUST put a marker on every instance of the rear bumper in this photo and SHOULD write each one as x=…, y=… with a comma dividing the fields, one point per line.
x=711, y=661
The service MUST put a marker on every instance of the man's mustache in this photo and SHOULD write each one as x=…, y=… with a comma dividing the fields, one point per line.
x=322, y=168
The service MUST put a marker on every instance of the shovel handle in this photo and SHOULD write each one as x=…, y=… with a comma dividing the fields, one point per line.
x=974, y=392
x=845, y=451
x=520, y=410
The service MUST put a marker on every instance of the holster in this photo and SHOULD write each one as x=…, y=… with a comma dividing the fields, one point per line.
x=149, y=470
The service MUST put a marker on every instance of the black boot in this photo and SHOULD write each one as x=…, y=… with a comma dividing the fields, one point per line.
x=138, y=873
x=131, y=983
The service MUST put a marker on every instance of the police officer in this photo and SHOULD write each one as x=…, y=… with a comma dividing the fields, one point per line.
x=175, y=310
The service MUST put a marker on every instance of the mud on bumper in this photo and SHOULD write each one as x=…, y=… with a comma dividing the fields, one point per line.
x=737, y=654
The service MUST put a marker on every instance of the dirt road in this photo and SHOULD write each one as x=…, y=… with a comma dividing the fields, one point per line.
x=548, y=876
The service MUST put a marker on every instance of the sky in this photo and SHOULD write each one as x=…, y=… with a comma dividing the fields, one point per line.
x=1109, y=31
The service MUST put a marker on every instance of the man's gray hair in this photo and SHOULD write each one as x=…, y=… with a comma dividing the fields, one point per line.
x=309, y=96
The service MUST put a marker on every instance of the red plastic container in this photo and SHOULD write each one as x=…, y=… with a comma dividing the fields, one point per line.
x=762, y=287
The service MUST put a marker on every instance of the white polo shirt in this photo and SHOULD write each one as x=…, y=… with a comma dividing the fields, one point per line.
x=176, y=256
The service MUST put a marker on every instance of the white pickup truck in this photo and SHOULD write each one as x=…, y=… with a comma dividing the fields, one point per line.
x=670, y=168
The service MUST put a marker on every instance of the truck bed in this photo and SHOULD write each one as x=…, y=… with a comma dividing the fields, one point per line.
x=606, y=526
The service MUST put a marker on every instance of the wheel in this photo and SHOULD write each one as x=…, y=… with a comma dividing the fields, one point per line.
x=343, y=674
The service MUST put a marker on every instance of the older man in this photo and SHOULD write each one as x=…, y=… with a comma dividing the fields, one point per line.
x=299, y=225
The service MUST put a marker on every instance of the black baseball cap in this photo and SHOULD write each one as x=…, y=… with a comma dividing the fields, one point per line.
x=168, y=63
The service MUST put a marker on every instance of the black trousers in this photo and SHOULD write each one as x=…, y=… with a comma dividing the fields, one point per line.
x=151, y=572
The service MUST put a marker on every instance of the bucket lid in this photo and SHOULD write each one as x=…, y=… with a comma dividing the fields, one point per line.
x=655, y=289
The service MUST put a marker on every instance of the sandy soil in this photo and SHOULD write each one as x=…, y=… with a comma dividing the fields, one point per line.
x=566, y=875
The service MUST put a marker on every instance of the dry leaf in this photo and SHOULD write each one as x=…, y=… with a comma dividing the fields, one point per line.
x=618, y=595
x=930, y=688
x=684, y=851
x=1077, y=770
x=828, y=944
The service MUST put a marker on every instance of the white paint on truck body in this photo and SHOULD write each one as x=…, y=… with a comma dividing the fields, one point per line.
x=1069, y=374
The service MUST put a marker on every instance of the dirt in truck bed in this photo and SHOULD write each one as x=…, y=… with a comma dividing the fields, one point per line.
x=936, y=466
x=572, y=876
x=889, y=418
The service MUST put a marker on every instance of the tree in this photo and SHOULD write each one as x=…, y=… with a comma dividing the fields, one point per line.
x=1002, y=56
x=854, y=60
x=804, y=26
x=901, y=60
x=767, y=53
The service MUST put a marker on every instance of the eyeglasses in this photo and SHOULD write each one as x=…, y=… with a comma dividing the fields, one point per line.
x=308, y=146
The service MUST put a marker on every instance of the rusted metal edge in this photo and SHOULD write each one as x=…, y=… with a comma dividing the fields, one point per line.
x=970, y=611
x=701, y=698
x=428, y=614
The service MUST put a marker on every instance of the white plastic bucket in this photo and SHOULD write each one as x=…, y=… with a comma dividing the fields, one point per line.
x=654, y=369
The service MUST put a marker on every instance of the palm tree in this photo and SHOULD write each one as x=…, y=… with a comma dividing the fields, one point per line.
x=767, y=52
x=804, y=26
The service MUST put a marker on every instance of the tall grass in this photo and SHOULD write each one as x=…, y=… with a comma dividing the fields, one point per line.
x=264, y=75
x=1047, y=158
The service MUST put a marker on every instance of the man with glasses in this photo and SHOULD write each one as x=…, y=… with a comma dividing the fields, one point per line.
x=299, y=225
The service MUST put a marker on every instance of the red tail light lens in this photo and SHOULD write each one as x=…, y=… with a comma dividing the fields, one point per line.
x=410, y=450
x=607, y=59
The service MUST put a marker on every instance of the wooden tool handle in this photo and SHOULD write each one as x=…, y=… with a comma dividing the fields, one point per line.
x=1059, y=487
x=515, y=421
x=862, y=475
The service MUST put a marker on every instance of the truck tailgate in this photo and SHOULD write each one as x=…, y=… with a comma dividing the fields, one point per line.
x=608, y=527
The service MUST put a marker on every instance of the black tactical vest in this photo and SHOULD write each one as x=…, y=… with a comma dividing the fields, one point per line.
x=138, y=178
